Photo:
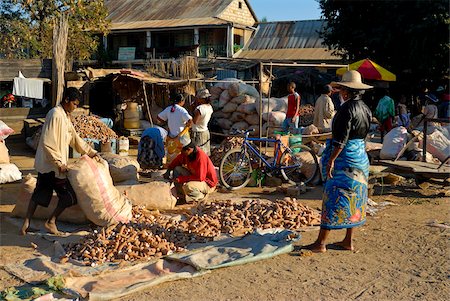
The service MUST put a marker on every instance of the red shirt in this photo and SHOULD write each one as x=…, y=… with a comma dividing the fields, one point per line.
x=202, y=169
x=293, y=102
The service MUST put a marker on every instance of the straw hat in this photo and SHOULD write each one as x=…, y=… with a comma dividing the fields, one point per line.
x=203, y=93
x=352, y=79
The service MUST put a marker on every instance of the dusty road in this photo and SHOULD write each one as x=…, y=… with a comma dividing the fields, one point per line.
x=398, y=256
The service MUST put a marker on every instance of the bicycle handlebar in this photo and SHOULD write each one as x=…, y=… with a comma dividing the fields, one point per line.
x=242, y=131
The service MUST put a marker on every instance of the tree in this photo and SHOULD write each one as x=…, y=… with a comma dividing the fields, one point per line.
x=408, y=37
x=28, y=24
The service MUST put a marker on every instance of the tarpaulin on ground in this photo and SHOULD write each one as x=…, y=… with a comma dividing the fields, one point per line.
x=113, y=280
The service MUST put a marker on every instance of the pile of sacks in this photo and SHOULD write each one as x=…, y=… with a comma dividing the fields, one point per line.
x=438, y=144
x=8, y=171
x=237, y=106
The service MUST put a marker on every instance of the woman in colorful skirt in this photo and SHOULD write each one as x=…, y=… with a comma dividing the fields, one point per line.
x=345, y=165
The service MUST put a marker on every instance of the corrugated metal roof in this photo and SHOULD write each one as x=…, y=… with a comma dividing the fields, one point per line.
x=290, y=34
x=167, y=23
x=121, y=11
x=289, y=54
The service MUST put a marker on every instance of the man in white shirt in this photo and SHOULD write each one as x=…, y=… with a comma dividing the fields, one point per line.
x=51, y=159
x=324, y=110
x=202, y=115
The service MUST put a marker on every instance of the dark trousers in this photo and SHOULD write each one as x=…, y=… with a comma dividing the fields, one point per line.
x=46, y=183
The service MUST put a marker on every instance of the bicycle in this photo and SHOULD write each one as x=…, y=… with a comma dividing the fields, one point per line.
x=236, y=167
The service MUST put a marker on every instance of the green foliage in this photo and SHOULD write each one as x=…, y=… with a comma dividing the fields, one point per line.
x=409, y=37
x=27, y=27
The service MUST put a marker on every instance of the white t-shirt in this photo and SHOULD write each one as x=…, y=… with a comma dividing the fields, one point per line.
x=175, y=120
x=206, y=111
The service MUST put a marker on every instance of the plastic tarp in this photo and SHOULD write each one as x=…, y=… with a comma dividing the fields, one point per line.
x=108, y=281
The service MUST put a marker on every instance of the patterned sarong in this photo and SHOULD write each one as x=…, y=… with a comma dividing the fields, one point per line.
x=345, y=195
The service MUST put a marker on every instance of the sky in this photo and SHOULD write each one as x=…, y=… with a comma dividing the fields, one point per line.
x=286, y=10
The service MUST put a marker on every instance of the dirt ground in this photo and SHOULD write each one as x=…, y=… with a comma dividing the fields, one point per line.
x=398, y=256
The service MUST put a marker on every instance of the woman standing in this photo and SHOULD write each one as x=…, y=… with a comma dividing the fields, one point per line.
x=178, y=121
x=345, y=165
x=202, y=115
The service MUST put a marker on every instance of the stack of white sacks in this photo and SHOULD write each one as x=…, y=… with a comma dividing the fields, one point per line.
x=8, y=171
x=237, y=107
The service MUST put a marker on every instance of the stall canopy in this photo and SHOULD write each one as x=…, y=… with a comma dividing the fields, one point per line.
x=369, y=70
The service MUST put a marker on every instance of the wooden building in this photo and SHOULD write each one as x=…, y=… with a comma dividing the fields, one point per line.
x=144, y=29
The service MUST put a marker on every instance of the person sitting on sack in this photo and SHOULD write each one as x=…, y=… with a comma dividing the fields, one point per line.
x=194, y=174
x=51, y=159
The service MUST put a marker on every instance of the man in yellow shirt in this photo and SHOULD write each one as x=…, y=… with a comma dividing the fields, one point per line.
x=51, y=160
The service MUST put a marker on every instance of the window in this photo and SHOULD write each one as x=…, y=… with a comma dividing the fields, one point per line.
x=240, y=4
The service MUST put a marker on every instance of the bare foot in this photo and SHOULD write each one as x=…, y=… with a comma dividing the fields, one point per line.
x=24, y=229
x=51, y=227
x=345, y=246
x=316, y=247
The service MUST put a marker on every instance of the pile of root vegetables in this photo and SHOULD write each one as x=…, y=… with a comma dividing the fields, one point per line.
x=228, y=143
x=151, y=235
x=92, y=127
x=237, y=106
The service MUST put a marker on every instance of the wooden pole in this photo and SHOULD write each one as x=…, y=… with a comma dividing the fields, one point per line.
x=60, y=34
x=146, y=103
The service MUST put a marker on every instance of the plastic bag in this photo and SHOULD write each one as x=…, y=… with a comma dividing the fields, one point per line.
x=5, y=130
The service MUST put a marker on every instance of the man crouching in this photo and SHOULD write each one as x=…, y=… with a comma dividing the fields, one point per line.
x=194, y=174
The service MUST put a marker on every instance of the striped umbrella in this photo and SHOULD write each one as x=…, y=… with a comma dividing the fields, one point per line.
x=369, y=70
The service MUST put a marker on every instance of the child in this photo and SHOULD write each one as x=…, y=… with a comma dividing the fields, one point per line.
x=402, y=113
x=293, y=110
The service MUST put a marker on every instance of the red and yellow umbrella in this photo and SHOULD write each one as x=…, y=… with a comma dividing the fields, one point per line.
x=369, y=70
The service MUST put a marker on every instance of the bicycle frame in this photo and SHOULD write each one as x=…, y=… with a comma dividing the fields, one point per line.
x=279, y=144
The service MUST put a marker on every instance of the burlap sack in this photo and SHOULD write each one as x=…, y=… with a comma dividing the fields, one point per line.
x=102, y=203
x=72, y=214
x=122, y=168
x=153, y=195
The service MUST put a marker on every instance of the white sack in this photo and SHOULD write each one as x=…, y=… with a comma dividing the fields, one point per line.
x=224, y=99
x=252, y=119
x=154, y=195
x=9, y=173
x=225, y=123
x=393, y=143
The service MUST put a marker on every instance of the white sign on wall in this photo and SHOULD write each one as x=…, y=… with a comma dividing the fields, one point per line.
x=126, y=53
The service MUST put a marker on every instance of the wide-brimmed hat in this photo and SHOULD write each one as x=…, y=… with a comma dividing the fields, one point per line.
x=352, y=79
x=203, y=93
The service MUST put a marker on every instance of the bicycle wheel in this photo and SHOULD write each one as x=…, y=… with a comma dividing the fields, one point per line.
x=235, y=169
x=307, y=161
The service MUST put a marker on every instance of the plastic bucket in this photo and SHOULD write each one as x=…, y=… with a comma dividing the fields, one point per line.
x=295, y=139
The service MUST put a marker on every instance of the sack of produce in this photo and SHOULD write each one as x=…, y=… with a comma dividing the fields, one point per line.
x=102, y=203
x=224, y=123
x=224, y=99
x=226, y=82
x=220, y=114
x=4, y=154
x=242, y=99
x=252, y=119
x=242, y=125
x=438, y=145
x=255, y=129
x=215, y=92
x=153, y=195
x=9, y=173
x=230, y=107
x=275, y=118
x=73, y=214
x=247, y=108
x=122, y=168
x=310, y=130
x=237, y=116
x=393, y=143
x=236, y=89
x=5, y=130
